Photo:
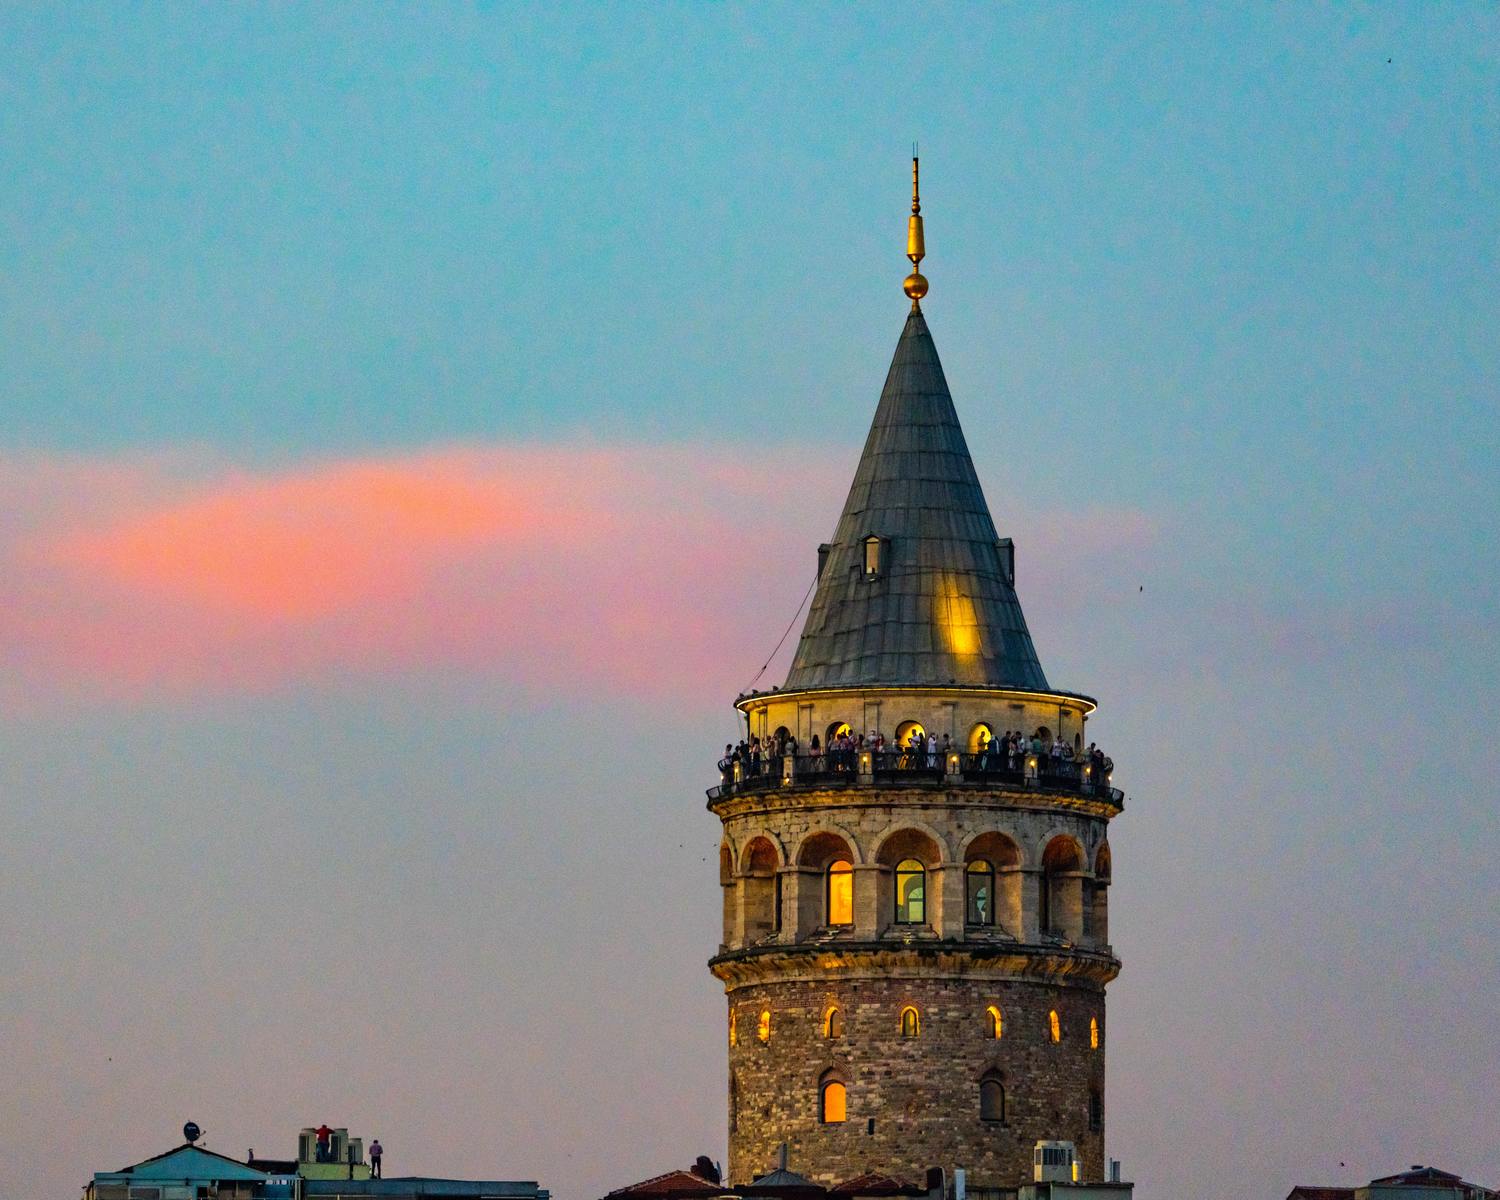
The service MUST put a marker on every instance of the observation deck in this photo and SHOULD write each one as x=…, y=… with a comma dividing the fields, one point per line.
x=1038, y=775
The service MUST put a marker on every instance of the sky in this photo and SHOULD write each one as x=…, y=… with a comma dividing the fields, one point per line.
x=418, y=424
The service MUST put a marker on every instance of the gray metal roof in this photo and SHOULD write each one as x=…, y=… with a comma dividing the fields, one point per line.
x=942, y=609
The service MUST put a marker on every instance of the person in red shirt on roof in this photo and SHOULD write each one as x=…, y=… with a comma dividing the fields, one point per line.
x=323, y=1134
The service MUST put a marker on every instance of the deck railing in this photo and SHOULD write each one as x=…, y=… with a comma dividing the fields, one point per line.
x=847, y=768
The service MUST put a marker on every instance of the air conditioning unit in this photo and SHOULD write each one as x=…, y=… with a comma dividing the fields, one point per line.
x=1054, y=1162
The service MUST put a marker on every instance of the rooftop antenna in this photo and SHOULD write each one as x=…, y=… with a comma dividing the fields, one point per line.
x=915, y=284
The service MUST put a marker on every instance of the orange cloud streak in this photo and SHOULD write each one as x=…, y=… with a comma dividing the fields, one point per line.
x=545, y=567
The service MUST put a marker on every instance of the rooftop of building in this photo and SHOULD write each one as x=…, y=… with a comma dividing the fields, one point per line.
x=1417, y=1178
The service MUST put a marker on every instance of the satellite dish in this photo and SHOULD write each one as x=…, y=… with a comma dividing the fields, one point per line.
x=191, y=1133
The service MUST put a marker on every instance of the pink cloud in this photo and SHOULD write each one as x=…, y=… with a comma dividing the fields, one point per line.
x=554, y=567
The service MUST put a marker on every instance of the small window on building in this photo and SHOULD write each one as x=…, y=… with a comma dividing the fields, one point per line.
x=833, y=1023
x=980, y=881
x=873, y=548
x=992, y=1100
x=763, y=1026
x=776, y=904
x=734, y=1103
x=841, y=892
x=993, y=1022
x=1096, y=1110
x=911, y=892
x=1054, y=1026
x=734, y=1031
x=1093, y=1033
x=833, y=1105
x=911, y=1022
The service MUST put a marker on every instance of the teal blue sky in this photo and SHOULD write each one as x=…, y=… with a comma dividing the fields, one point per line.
x=1215, y=290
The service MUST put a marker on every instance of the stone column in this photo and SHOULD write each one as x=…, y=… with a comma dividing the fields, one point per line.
x=869, y=919
x=1011, y=904
x=1030, y=889
x=949, y=918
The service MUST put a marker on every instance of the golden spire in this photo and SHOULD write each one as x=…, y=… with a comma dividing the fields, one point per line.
x=915, y=284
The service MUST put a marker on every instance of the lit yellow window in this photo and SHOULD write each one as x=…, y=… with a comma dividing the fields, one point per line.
x=841, y=893
x=763, y=1026
x=734, y=1036
x=833, y=1024
x=835, y=1104
x=995, y=1024
x=1093, y=1033
x=911, y=1022
x=1054, y=1026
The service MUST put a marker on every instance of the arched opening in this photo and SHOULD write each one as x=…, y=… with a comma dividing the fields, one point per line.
x=763, y=1025
x=911, y=1022
x=907, y=734
x=1054, y=1027
x=734, y=1102
x=833, y=1023
x=993, y=1022
x=833, y=1099
x=822, y=899
x=999, y=860
x=1099, y=904
x=992, y=1099
x=759, y=863
x=1096, y=1110
x=979, y=884
x=839, y=886
x=1093, y=1033
x=1062, y=889
x=907, y=856
x=836, y=730
x=734, y=1028
x=980, y=738
x=726, y=885
x=911, y=892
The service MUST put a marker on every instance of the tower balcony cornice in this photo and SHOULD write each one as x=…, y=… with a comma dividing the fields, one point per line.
x=753, y=699
x=838, y=961
x=729, y=800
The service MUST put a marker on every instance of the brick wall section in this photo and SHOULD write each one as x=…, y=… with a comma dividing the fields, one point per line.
x=923, y=1092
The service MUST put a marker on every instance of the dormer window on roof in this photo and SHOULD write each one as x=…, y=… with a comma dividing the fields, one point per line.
x=875, y=554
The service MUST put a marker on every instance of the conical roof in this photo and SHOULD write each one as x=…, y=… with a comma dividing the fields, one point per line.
x=941, y=609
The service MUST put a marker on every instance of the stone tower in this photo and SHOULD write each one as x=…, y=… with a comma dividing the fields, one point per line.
x=915, y=944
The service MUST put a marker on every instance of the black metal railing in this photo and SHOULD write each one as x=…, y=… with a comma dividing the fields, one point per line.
x=832, y=768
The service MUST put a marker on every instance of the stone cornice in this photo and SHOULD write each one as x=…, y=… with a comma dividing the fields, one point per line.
x=831, y=962
x=885, y=795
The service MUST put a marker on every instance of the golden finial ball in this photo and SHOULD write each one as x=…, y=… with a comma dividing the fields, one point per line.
x=915, y=285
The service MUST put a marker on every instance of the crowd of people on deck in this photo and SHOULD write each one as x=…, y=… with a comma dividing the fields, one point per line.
x=1034, y=755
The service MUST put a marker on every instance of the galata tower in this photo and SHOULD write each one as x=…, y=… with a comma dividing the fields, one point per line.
x=916, y=935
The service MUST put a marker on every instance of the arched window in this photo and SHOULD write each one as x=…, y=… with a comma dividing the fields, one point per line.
x=979, y=738
x=872, y=555
x=911, y=1022
x=1054, y=1026
x=911, y=892
x=1096, y=1110
x=841, y=892
x=993, y=1021
x=734, y=1030
x=1093, y=1033
x=763, y=1026
x=979, y=878
x=906, y=731
x=837, y=730
x=833, y=1099
x=992, y=1099
x=833, y=1024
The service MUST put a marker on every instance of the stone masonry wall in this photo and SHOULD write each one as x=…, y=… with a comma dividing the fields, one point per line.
x=921, y=1093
